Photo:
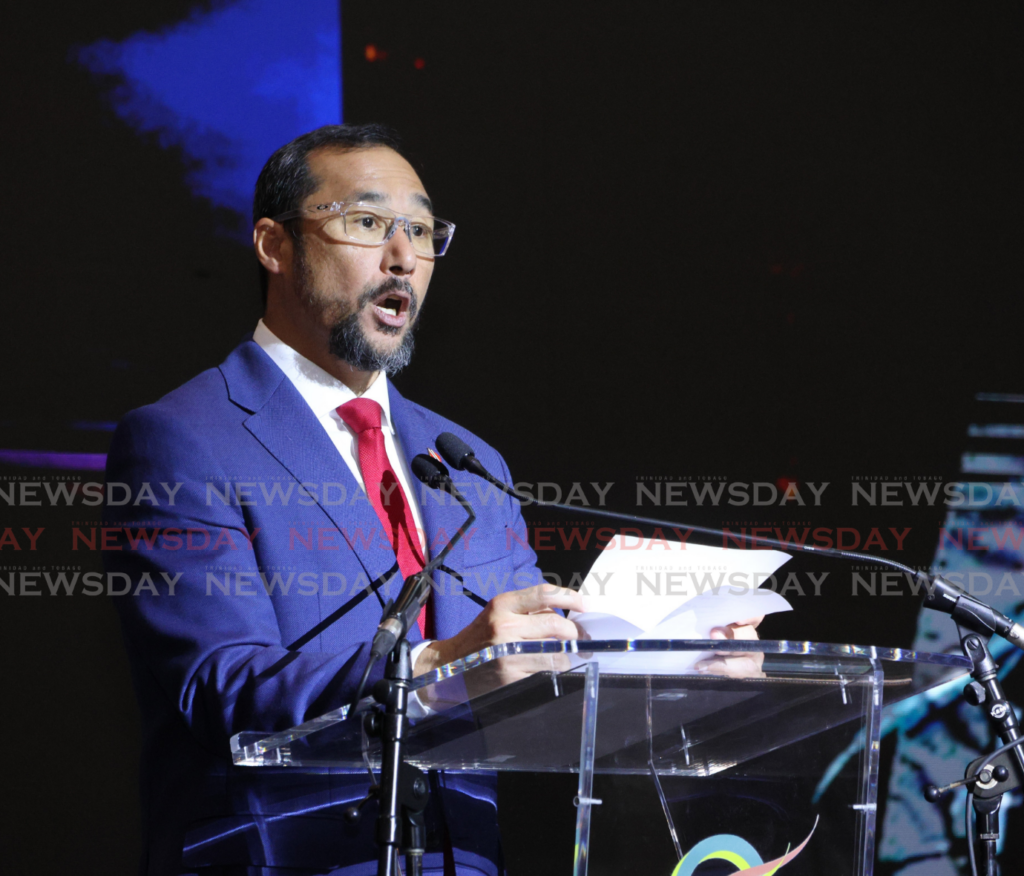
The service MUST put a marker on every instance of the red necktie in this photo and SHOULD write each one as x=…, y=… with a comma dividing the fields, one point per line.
x=362, y=416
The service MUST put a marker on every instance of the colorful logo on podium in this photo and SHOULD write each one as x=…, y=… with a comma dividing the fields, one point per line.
x=738, y=852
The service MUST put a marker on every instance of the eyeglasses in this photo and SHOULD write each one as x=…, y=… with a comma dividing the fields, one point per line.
x=370, y=225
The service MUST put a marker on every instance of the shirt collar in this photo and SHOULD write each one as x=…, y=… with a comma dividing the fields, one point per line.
x=323, y=392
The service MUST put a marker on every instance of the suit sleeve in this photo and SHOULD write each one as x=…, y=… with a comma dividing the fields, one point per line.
x=213, y=651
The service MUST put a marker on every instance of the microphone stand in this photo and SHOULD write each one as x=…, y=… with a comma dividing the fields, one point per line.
x=986, y=692
x=403, y=792
x=403, y=788
x=986, y=785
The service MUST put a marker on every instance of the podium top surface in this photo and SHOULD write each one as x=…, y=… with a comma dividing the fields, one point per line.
x=519, y=706
x=893, y=661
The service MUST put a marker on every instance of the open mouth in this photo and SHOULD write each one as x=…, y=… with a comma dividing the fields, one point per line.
x=392, y=308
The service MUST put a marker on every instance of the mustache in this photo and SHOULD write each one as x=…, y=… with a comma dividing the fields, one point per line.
x=392, y=284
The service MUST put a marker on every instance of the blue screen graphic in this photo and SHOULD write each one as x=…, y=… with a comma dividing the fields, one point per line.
x=228, y=87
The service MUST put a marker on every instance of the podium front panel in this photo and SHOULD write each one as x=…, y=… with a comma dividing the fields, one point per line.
x=746, y=760
x=517, y=707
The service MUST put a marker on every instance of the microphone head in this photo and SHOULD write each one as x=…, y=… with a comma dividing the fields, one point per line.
x=454, y=450
x=429, y=471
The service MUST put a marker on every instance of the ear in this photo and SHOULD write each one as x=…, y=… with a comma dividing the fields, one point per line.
x=273, y=245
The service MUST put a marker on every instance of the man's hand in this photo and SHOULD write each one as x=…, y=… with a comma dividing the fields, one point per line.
x=735, y=664
x=515, y=616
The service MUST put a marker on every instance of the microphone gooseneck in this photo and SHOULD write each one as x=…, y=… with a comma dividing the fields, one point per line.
x=460, y=456
x=400, y=615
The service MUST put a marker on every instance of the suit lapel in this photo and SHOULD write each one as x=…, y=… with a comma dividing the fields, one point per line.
x=284, y=424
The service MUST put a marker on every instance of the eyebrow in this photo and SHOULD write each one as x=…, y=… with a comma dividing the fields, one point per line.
x=380, y=198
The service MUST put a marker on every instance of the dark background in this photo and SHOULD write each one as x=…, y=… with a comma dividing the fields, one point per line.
x=749, y=240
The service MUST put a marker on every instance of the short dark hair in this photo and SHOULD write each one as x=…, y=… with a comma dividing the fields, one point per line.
x=286, y=179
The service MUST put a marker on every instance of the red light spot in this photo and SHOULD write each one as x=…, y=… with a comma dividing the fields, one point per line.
x=371, y=52
x=784, y=483
x=775, y=269
x=419, y=63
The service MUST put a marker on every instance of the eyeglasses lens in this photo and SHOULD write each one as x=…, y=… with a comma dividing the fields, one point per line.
x=373, y=227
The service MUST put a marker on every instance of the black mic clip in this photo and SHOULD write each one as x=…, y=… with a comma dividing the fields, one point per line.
x=398, y=620
x=971, y=614
x=984, y=784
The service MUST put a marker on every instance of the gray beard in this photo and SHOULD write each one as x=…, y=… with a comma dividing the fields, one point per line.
x=347, y=340
x=350, y=343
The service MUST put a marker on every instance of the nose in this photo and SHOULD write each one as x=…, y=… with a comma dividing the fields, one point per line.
x=398, y=257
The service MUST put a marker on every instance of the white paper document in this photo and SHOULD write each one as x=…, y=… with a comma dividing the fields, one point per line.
x=657, y=589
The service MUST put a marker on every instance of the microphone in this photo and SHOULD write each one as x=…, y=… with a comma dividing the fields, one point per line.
x=941, y=595
x=459, y=455
x=431, y=472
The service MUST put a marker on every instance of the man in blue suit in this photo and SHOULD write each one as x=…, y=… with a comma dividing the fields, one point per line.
x=257, y=588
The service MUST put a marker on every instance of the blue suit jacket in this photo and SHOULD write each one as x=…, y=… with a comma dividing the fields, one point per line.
x=259, y=487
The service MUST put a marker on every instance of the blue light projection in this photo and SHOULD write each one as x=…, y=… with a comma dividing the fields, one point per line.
x=227, y=87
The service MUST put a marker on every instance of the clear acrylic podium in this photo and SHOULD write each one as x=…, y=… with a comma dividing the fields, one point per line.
x=745, y=768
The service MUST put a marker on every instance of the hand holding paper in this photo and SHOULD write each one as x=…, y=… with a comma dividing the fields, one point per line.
x=671, y=590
